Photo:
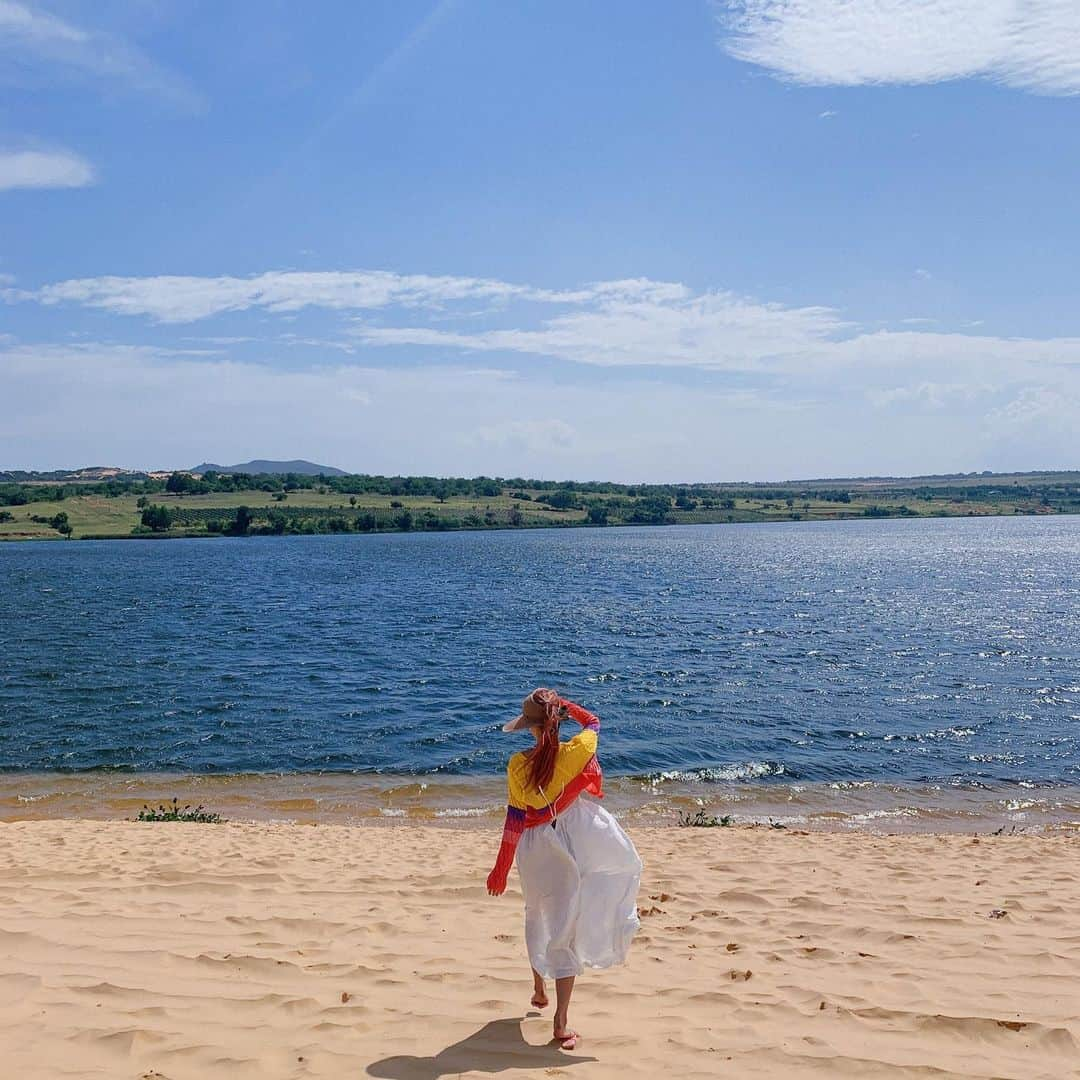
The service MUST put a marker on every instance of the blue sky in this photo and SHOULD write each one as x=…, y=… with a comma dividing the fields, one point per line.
x=755, y=240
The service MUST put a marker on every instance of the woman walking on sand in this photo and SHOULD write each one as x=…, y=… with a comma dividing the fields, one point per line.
x=579, y=871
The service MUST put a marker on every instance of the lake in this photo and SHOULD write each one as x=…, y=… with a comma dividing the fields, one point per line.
x=819, y=663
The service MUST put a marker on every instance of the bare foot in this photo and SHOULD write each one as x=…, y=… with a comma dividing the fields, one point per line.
x=539, y=999
x=566, y=1038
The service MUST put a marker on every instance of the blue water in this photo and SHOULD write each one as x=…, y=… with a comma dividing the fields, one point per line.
x=897, y=651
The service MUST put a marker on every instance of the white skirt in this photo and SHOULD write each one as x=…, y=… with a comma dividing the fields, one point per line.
x=580, y=881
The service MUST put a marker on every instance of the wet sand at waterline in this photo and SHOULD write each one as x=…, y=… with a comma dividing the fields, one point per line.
x=658, y=799
x=273, y=950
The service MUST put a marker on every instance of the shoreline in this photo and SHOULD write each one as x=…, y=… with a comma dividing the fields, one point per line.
x=377, y=799
x=794, y=519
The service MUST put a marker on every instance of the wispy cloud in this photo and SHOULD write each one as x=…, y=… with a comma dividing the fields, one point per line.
x=1029, y=44
x=182, y=299
x=717, y=330
x=630, y=323
x=37, y=27
x=36, y=45
x=43, y=169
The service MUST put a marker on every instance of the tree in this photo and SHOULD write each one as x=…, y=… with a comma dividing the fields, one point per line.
x=180, y=483
x=60, y=523
x=403, y=520
x=241, y=524
x=517, y=518
x=598, y=514
x=559, y=500
x=652, y=510
x=157, y=518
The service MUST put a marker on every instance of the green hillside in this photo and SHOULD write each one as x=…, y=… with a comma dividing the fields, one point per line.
x=183, y=504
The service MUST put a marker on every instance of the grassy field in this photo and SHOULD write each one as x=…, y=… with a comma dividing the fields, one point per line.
x=98, y=516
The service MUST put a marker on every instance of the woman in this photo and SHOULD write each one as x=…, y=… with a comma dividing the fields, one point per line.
x=579, y=871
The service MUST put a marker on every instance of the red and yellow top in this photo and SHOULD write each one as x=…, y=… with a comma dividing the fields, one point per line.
x=576, y=770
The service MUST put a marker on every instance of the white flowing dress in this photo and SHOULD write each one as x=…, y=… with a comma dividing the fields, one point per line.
x=580, y=879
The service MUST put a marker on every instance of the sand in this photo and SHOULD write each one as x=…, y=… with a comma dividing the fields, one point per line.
x=178, y=951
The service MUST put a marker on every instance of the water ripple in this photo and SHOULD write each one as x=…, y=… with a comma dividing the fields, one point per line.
x=896, y=651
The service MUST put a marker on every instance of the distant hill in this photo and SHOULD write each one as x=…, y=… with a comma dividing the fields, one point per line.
x=301, y=468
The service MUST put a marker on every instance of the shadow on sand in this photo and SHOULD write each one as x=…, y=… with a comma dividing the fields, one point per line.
x=497, y=1046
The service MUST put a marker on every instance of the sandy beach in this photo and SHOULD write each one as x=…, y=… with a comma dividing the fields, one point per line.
x=186, y=951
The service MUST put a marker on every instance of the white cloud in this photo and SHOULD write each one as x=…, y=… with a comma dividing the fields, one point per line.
x=717, y=330
x=664, y=382
x=968, y=354
x=24, y=22
x=43, y=169
x=100, y=402
x=181, y=299
x=1029, y=44
x=930, y=395
x=633, y=323
x=721, y=332
x=1039, y=406
x=536, y=436
x=71, y=405
x=33, y=41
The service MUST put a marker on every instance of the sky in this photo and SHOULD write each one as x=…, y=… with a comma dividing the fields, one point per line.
x=624, y=240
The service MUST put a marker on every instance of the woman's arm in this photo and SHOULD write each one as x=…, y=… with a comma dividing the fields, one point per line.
x=579, y=751
x=513, y=827
x=589, y=721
